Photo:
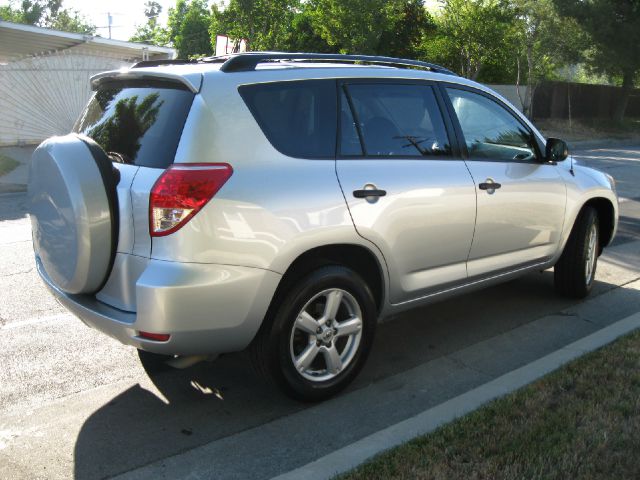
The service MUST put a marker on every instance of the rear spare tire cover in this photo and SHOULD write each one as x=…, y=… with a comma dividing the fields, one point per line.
x=73, y=209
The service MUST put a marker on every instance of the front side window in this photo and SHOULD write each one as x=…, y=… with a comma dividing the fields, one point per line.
x=396, y=120
x=298, y=118
x=490, y=131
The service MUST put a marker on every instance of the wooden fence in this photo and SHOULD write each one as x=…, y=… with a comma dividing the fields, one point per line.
x=562, y=99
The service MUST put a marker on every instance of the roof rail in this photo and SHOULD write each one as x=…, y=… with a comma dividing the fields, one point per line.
x=157, y=63
x=243, y=62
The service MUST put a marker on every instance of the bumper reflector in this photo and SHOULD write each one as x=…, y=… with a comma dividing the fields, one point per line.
x=158, y=337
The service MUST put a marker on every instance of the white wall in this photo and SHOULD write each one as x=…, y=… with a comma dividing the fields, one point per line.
x=43, y=96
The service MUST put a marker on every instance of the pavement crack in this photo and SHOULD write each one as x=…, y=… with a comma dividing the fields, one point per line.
x=462, y=364
x=585, y=319
x=16, y=273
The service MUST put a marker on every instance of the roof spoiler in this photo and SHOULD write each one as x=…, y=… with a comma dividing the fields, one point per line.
x=193, y=81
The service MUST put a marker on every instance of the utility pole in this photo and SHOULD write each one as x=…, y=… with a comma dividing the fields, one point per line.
x=109, y=21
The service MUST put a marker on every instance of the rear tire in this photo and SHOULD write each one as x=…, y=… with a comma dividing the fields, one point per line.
x=575, y=270
x=319, y=335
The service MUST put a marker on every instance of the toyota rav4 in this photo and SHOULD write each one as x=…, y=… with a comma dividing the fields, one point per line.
x=286, y=202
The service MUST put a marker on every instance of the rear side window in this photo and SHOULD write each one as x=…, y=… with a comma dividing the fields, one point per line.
x=137, y=122
x=298, y=118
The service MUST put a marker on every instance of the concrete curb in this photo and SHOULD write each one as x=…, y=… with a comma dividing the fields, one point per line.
x=351, y=456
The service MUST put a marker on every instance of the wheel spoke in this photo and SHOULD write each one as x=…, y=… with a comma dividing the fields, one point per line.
x=592, y=241
x=332, y=357
x=306, y=358
x=307, y=323
x=334, y=299
x=591, y=254
x=349, y=327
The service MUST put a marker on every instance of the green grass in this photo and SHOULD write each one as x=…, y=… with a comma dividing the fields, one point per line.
x=581, y=422
x=7, y=164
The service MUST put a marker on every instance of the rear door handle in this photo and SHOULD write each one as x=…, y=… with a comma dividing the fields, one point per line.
x=370, y=192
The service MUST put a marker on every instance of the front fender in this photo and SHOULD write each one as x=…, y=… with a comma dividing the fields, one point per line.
x=589, y=186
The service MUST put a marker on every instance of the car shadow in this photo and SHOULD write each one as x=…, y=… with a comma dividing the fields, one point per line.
x=175, y=411
x=179, y=410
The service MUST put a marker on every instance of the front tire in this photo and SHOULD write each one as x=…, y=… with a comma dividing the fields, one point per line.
x=575, y=270
x=320, y=334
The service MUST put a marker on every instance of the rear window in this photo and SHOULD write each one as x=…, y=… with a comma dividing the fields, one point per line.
x=298, y=118
x=137, y=122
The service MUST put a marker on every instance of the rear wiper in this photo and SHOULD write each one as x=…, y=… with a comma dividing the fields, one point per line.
x=119, y=158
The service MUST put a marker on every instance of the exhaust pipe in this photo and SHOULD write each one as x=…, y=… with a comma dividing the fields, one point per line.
x=188, y=360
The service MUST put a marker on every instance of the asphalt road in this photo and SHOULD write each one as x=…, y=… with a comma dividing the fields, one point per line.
x=76, y=403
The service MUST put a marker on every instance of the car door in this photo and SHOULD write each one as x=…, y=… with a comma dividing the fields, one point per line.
x=408, y=191
x=521, y=198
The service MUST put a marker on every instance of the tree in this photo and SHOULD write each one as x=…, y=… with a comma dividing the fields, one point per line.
x=151, y=32
x=392, y=27
x=265, y=24
x=351, y=26
x=303, y=37
x=409, y=23
x=613, y=27
x=470, y=34
x=535, y=38
x=188, y=28
x=47, y=13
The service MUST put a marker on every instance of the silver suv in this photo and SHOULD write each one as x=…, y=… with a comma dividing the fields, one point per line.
x=286, y=202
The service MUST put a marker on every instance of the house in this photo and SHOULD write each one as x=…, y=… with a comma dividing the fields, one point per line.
x=44, y=77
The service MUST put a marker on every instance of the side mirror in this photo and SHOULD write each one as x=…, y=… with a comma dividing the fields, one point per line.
x=557, y=150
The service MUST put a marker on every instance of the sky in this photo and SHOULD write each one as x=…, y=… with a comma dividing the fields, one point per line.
x=126, y=14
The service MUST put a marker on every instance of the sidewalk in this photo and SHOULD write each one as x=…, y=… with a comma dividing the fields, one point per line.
x=16, y=180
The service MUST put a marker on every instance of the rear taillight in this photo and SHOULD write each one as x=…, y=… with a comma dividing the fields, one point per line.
x=181, y=191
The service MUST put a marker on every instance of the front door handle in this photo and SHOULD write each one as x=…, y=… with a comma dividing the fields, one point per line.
x=489, y=185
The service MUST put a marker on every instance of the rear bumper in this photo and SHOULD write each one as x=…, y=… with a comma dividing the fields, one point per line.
x=207, y=309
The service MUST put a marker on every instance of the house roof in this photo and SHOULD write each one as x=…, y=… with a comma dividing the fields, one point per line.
x=19, y=41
